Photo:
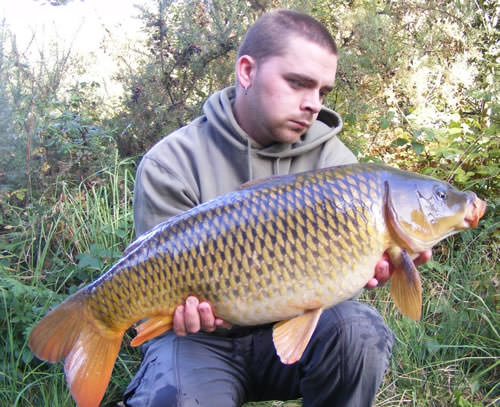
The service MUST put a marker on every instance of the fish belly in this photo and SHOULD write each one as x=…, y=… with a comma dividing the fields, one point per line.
x=276, y=303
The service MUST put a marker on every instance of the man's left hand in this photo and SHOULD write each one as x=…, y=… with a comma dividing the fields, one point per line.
x=384, y=269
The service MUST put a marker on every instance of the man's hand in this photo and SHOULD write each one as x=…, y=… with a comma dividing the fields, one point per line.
x=384, y=268
x=194, y=316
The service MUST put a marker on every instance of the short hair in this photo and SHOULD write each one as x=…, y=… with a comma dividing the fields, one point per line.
x=267, y=36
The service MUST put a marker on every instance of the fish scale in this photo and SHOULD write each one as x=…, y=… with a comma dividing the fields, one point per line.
x=280, y=249
x=306, y=236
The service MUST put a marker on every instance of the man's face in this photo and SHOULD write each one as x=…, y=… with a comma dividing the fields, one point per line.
x=288, y=90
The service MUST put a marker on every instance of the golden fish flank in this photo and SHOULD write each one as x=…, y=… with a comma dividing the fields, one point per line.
x=282, y=249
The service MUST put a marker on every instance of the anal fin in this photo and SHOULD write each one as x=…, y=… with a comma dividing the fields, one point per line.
x=151, y=328
x=291, y=337
x=406, y=288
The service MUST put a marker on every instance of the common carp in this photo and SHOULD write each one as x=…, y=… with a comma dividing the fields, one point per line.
x=277, y=250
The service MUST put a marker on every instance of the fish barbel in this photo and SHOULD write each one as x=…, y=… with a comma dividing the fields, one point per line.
x=280, y=249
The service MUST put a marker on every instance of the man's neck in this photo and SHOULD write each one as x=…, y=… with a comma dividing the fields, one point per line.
x=243, y=118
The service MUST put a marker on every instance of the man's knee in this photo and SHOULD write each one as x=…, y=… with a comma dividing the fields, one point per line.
x=345, y=361
x=356, y=336
x=363, y=327
x=192, y=371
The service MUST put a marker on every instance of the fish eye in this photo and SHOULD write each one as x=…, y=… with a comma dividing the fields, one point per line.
x=440, y=193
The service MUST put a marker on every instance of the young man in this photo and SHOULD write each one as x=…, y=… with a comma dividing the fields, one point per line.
x=272, y=122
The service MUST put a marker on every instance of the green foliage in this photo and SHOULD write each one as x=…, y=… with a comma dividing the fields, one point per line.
x=417, y=86
x=464, y=153
x=72, y=143
x=63, y=248
x=412, y=102
x=190, y=54
x=51, y=126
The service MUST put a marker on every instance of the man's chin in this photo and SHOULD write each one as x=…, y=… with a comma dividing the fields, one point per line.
x=290, y=136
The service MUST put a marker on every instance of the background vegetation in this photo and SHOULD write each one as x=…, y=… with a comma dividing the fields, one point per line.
x=417, y=87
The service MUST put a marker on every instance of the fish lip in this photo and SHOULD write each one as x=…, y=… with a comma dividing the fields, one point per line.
x=475, y=212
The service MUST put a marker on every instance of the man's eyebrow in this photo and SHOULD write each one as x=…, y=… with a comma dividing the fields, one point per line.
x=307, y=80
x=302, y=78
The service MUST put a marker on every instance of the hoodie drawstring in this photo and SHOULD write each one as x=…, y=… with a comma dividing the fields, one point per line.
x=276, y=162
x=276, y=166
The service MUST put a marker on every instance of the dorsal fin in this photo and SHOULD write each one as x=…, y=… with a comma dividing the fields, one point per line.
x=258, y=181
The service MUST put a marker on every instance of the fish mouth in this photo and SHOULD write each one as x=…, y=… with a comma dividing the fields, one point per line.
x=475, y=211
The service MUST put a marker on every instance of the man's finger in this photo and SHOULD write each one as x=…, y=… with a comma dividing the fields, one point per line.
x=382, y=271
x=372, y=283
x=424, y=257
x=207, y=317
x=178, y=321
x=191, y=315
x=222, y=323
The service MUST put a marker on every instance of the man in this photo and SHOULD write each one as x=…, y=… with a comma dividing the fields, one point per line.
x=272, y=122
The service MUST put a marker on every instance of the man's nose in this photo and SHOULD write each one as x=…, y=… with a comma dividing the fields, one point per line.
x=312, y=101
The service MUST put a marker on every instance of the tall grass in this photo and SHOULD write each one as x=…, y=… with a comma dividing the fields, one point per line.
x=450, y=358
x=48, y=253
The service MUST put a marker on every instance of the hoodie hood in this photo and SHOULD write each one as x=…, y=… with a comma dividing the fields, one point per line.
x=219, y=112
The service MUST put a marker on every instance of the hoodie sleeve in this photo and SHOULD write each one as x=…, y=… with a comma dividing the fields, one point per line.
x=159, y=194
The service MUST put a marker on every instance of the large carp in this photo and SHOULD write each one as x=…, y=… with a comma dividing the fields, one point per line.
x=280, y=249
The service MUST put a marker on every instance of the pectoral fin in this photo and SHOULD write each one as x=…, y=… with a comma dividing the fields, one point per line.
x=291, y=337
x=151, y=328
x=406, y=289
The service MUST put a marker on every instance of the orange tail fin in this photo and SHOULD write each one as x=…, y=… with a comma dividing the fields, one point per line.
x=89, y=351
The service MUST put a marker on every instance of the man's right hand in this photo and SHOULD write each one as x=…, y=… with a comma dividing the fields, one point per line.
x=195, y=316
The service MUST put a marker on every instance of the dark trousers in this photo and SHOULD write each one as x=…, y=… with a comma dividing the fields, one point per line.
x=343, y=365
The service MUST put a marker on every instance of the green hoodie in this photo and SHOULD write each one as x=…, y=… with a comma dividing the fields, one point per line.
x=213, y=155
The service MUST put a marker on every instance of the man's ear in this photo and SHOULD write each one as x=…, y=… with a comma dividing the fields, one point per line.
x=245, y=70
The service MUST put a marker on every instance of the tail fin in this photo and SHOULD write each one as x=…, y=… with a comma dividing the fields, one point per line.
x=68, y=332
